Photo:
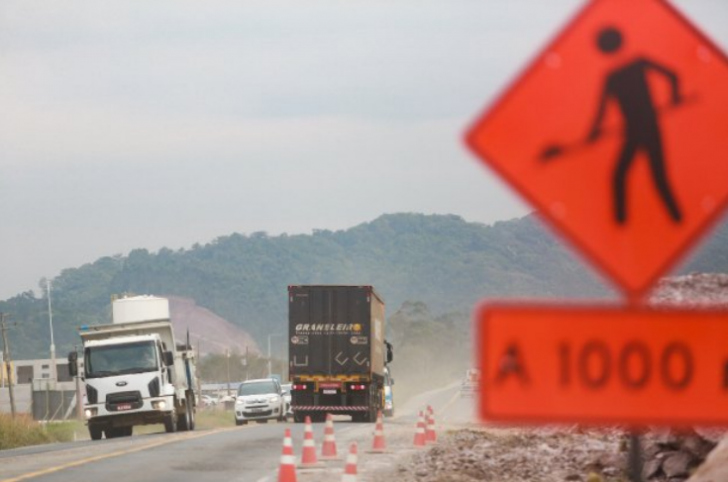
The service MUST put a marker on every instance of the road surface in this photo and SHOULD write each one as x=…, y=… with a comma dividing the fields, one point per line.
x=247, y=453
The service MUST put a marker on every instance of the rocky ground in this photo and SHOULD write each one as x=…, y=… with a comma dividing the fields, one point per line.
x=515, y=455
x=481, y=453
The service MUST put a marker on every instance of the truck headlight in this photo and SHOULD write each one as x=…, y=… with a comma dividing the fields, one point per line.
x=90, y=412
x=159, y=405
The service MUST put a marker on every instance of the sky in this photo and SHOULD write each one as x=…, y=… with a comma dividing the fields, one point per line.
x=167, y=123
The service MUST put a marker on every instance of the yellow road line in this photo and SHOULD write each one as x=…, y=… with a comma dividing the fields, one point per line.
x=96, y=458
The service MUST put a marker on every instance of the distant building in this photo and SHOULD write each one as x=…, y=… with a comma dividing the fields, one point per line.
x=32, y=376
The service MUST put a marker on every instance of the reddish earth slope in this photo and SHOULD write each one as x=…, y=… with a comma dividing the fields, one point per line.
x=212, y=333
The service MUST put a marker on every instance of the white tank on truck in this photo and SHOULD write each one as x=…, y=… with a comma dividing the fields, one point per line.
x=135, y=373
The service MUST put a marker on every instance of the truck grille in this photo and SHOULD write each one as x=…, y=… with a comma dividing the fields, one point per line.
x=123, y=401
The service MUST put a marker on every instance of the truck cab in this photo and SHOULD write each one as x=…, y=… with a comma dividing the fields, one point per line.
x=127, y=376
x=134, y=372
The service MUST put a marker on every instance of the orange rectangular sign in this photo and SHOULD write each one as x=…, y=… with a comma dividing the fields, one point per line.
x=603, y=365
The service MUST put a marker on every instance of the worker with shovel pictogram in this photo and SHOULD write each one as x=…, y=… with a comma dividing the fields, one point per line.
x=628, y=86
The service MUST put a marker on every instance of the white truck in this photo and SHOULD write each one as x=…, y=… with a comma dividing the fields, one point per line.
x=134, y=372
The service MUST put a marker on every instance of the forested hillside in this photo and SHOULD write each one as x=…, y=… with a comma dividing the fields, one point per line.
x=442, y=261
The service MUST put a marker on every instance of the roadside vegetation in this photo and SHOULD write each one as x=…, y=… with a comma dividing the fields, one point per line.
x=214, y=418
x=23, y=430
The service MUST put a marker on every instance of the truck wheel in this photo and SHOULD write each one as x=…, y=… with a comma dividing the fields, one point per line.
x=191, y=426
x=183, y=421
x=95, y=432
x=128, y=431
x=170, y=423
x=298, y=417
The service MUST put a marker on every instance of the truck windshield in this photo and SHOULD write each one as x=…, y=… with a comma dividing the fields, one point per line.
x=110, y=360
x=257, y=388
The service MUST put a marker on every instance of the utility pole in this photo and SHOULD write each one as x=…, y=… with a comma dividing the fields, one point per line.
x=54, y=369
x=227, y=357
x=79, y=396
x=197, y=372
x=8, y=361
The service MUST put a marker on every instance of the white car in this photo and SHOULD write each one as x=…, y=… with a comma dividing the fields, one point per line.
x=259, y=400
x=287, y=410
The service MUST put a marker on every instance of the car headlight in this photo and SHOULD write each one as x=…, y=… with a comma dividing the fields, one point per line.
x=273, y=399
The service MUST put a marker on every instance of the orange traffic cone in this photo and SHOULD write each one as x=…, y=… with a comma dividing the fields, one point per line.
x=420, y=439
x=328, y=449
x=287, y=469
x=350, y=469
x=379, y=446
x=430, y=434
x=308, y=456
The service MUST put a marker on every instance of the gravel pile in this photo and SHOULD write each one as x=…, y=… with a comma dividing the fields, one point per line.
x=697, y=290
x=517, y=455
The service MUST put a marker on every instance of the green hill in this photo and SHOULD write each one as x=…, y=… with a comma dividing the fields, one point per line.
x=443, y=261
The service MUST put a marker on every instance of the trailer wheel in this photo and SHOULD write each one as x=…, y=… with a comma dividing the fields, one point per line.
x=95, y=432
x=372, y=418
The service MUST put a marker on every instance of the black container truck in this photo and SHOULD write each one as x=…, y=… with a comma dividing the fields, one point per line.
x=336, y=351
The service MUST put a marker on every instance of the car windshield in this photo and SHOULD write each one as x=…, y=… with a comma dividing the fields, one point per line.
x=110, y=360
x=257, y=388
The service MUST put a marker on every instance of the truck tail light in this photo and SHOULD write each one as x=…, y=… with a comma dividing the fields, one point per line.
x=357, y=386
x=299, y=386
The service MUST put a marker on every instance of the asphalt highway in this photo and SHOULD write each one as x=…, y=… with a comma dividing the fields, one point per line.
x=249, y=453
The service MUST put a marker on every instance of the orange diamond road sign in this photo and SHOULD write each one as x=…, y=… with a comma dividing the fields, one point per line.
x=603, y=365
x=618, y=134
